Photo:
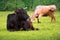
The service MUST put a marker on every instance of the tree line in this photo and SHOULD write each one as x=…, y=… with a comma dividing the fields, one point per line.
x=9, y=5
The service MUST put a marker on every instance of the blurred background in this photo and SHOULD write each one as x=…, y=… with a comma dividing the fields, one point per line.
x=9, y=5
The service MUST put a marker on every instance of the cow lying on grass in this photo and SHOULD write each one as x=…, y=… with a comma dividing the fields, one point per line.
x=19, y=20
x=44, y=11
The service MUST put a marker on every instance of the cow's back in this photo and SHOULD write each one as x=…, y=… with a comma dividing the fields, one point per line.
x=11, y=17
x=41, y=10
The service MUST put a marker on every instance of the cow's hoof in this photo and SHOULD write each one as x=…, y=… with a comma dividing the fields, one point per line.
x=37, y=28
x=39, y=22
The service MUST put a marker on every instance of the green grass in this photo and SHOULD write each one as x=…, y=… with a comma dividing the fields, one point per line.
x=48, y=30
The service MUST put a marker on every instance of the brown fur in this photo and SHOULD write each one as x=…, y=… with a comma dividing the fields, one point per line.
x=43, y=11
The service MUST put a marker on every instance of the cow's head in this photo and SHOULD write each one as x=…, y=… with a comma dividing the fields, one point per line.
x=53, y=8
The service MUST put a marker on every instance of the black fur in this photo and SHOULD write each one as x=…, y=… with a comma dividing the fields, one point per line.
x=18, y=20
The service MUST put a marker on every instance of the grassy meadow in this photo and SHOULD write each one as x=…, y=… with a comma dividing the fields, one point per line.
x=48, y=30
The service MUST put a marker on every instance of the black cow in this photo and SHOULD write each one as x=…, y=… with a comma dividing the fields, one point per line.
x=19, y=20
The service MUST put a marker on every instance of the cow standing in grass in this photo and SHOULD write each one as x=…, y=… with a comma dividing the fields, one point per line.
x=44, y=11
x=19, y=20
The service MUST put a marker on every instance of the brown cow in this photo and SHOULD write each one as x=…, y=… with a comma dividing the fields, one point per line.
x=44, y=11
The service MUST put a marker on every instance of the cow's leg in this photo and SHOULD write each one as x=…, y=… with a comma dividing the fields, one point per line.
x=38, y=18
x=31, y=26
x=25, y=26
x=51, y=14
x=53, y=17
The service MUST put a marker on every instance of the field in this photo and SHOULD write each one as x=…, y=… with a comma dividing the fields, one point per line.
x=48, y=30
